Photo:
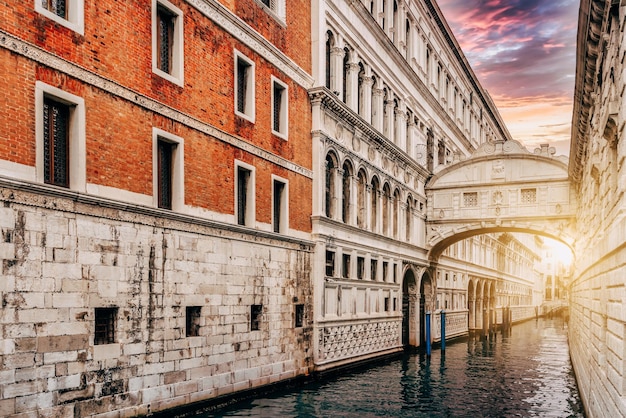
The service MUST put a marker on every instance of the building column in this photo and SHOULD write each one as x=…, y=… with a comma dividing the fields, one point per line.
x=336, y=70
x=400, y=131
x=389, y=122
x=366, y=95
x=378, y=108
x=389, y=18
x=352, y=88
x=338, y=199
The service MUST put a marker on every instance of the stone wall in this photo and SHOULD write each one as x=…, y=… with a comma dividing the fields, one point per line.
x=597, y=333
x=63, y=256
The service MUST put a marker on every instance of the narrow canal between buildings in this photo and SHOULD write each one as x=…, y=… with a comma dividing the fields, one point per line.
x=524, y=372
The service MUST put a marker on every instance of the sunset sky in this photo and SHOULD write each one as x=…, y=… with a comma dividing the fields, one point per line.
x=523, y=52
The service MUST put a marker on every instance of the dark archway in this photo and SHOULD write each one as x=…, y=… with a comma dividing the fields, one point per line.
x=409, y=297
x=426, y=295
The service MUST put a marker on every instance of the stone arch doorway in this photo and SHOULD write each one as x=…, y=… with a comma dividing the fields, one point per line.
x=426, y=296
x=409, y=299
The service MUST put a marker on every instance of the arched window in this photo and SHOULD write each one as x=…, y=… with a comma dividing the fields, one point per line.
x=409, y=41
x=346, y=192
x=330, y=43
x=331, y=167
x=386, y=201
x=374, y=214
x=360, y=199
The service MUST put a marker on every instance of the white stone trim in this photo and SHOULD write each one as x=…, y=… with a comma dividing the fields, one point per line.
x=178, y=168
x=178, y=67
x=249, y=112
x=75, y=15
x=18, y=171
x=284, y=109
x=41, y=56
x=115, y=193
x=78, y=162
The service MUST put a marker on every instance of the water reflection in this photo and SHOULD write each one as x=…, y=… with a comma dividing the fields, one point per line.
x=523, y=372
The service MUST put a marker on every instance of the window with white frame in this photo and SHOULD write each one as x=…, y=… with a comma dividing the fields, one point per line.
x=68, y=13
x=280, y=206
x=167, y=41
x=276, y=7
x=244, y=194
x=168, y=170
x=60, y=137
x=244, y=86
x=279, y=108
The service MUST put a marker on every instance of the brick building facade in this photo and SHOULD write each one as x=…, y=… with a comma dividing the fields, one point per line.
x=155, y=169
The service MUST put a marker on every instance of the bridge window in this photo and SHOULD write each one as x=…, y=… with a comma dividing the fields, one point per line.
x=529, y=196
x=470, y=200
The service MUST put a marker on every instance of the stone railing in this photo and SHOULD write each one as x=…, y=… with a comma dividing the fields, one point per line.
x=456, y=324
x=340, y=341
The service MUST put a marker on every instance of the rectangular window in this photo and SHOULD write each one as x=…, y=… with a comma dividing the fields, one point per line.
x=528, y=196
x=165, y=151
x=58, y=7
x=167, y=41
x=255, y=317
x=60, y=156
x=374, y=269
x=277, y=7
x=360, y=268
x=68, y=13
x=105, y=321
x=470, y=200
x=279, y=108
x=56, y=145
x=279, y=206
x=395, y=273
x=192, y=321
x=165, y=38
x=330, y=263
x=385, y=270
x=244, y=87
x=387, y=304
x=168, y=172
x=346, y=265
x=299, y=319
x=243, y=184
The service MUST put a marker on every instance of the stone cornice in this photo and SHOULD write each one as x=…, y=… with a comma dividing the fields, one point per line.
x=590, y=19
x=66, y=200
x=232, y=24
x=330, y=101
x=43, y=57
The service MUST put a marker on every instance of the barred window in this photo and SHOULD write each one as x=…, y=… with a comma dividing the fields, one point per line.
x=243, y=179
x=360, y=268
x=192, y=321
x=165, y=38
x=346, y=265
x=165, y=151
x=56, y=117
x=58, y=7
x=255, y=317
x=279, y=108
x=529, y=196
x=244, y=86
x=330, y=263
x=299, y=320
x=470, y=200
x=105, y=319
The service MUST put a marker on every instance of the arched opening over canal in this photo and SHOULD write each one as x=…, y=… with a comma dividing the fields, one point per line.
x=409, y=299
x=426, y=303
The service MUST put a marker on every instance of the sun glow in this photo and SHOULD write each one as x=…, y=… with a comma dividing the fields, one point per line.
x=561, y=253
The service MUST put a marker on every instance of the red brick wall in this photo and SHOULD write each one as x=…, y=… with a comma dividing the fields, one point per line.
x=117, y=45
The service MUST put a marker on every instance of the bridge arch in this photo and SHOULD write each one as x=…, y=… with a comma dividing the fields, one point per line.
x=501, y=187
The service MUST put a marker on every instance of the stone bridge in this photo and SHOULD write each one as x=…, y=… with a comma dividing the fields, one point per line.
x=502, y=187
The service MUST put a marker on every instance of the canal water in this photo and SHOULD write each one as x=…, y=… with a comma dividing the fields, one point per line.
x=525, y=372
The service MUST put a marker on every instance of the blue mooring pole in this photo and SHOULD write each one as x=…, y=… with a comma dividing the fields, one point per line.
x=427, y=333
x=443, y=330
